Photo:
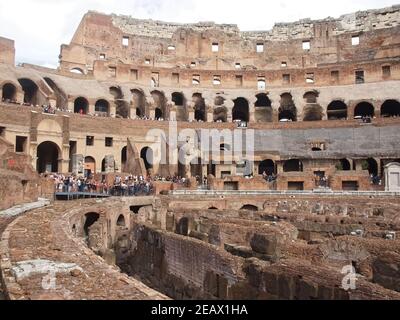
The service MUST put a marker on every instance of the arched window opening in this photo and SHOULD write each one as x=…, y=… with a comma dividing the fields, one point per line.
x=90, y=219
x=267, y=167
x=9, y=93
x=77, y=71
x=263, y=112
x=364, y=109
x=139, y=103
x=337, y=110
x=124, y=156
x=148, y=157
x=160, y=104
x=81, y=105
x=121, y=221
x=200, y=113
x=90, y=166
x=391, y=108
x=102, y=107
x=240, y=110
x=293, y=165
x=30, y=91
x=287, y=109
x=178, y=98
x=249, y=207
x=344, y=165
x=47, y=157
x=158, y=114
x=371, y=165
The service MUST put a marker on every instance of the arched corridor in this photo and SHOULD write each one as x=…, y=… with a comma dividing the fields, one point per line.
x=47, y=157
x=267, y=167
x=148, y=157
x=90, y=166
x=102, y=107
x=263, y=108
x=364, y=109
x=337, y=110
x=139, y=103
x=293, y=165
x=287, y=109
x=240, y=110
x=200, y=112
x=81, y=105
x=30, y=91
x=391, y=108
x=9, y=92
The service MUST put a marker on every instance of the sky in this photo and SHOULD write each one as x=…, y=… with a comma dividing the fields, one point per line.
x=39, y=27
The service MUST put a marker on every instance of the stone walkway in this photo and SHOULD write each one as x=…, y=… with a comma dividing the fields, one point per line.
x=9, y=215
x=4, y=222
x=41, y=239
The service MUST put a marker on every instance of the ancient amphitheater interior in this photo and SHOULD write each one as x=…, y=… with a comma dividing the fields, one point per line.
x=167, y=161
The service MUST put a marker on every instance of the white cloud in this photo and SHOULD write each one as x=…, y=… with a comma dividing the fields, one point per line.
x=39, y=27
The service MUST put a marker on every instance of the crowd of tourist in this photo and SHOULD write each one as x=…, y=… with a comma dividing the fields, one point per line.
x=129, y=185
x=46, y=108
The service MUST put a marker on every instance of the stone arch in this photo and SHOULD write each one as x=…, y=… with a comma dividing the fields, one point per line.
x=183, y=226
x=312, y=111
x=200, y=109
x=9, y=92
x=122, y=107
x=30, y=89
x=116, y=92
x=102, y=107
x=241, y=110
x=371, y=165
x=364, y=109
x=124, y=156
x=147, y=155
x=390, y=108
x=293, y=165
x=139, y=103
x=337, y=110
x=263, y=108
x=267, y=166
x=90, y=219
x=287, y=109
x=160, y=104
x=81, y=105
x=178, y=98
x=48, y=154
x=344, y=165
x=107, y=165
x=180, y=103
x=60, y=95
x=159, y=114
x=249, y=207
x=77, y=70
x=121, y=221
x=90, y=166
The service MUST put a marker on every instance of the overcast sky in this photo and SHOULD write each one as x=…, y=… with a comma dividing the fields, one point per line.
x=39, y=27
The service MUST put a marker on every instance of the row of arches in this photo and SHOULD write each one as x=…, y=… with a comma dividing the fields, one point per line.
x=336, y=110
x=81, y=105
x=269, y=168
x=48, y=157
